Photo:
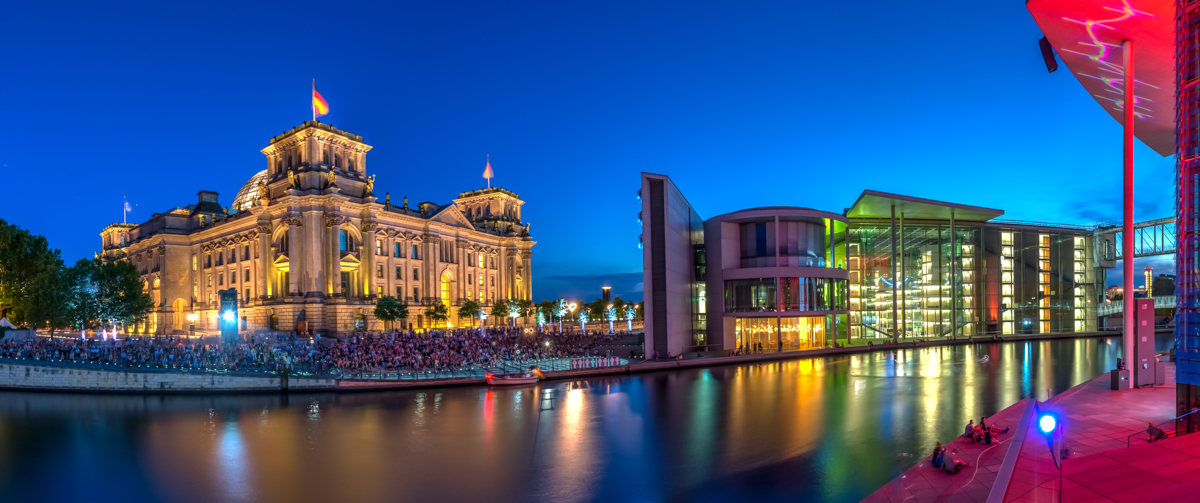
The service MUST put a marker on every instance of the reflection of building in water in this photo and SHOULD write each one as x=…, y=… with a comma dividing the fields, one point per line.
x=308, y=245
x=890, y=266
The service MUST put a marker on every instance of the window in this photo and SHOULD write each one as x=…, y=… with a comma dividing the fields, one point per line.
x=481, y=261
x=210, y=298
x=193, y=262
x=232, y=255
x=416, y=294
x=379, y=290
x=195, y=290
x=399, y=275
x=247, y=274
x=415, y=276
x=233, y=276
x=246, y=254
x=396, y=250
x=207, y=260
x=209, y=283
x=493, y=262
x=220, y=258
x=493, y=281
x=379, y=247
x=399, y=293
x=220, y=278
x=470, y=279
x=414, y=255
x=343, y=240
x=379, y=271
x=480, y=280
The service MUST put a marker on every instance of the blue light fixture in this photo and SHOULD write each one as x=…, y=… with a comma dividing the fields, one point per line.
x=1047, y=423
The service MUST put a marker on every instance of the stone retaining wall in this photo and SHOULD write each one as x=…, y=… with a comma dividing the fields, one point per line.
x=58, y=378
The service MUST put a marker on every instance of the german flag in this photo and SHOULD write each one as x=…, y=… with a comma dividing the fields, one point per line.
x=319, y=105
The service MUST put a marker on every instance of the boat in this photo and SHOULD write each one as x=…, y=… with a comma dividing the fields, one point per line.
x=511, y=380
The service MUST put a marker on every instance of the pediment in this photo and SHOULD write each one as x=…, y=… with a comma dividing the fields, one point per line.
x=452, y=216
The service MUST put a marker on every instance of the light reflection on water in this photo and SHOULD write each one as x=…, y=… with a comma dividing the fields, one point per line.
x=830, y=429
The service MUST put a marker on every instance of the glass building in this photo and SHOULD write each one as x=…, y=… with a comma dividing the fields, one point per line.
x=890, y=267
x=939, y=270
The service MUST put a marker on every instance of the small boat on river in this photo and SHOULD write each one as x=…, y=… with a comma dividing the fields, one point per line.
x=511, y=380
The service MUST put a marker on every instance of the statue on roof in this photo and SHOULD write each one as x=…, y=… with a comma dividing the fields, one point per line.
x=526, y=228
x=387, y=200
x=332, y=177
x=370, y=189
x=293, y=179
x=405, y=203
x=261, y=194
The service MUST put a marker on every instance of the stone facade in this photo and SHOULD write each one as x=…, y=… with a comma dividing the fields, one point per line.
x=308, y=245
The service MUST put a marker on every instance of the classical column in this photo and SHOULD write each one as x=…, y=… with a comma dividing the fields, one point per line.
x=266, y=260
x=294, y=255
x=368, y=232
x=528, y=275
x=333, y=266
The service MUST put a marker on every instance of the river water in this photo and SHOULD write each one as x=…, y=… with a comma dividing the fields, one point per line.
x=822, y=429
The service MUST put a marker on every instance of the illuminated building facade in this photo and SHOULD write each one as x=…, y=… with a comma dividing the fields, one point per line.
x=309, y=247
x=891, y=267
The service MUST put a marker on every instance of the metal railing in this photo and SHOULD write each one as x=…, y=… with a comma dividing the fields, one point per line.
x=1173, y=433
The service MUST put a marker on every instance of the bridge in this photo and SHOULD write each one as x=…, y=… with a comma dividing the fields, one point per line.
x=1150, y=238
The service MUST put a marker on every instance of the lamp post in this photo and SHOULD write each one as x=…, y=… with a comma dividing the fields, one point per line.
x=570, y=306
x=192, y=325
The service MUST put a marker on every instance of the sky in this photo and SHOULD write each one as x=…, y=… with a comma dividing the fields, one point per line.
x=743, y=104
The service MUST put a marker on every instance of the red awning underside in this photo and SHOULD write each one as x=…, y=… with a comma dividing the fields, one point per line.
x=1087, y=36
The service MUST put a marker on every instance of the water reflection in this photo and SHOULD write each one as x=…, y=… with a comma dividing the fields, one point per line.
x=830, y=429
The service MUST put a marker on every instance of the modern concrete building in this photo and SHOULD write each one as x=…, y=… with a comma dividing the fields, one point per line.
x=889, y=267
x=308, y=246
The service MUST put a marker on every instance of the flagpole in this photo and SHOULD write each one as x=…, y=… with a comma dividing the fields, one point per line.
x=312, y=105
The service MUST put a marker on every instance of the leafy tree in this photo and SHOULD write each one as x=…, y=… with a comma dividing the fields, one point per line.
x=596, y=309
x=51, y=302
x=439, y=313
x=527, y=308
x=107, y=293
x=25, y=260
x=546, y=309
x=389, y=309
x=641, y=310
x=470, y=310
x=499, y=311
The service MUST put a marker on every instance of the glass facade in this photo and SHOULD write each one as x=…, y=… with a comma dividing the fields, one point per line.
x=759, y=295
x=788, y=332
x=1187, y=203
x=982, y=279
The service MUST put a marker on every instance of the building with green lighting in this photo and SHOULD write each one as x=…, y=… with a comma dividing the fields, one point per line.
x=889, y=266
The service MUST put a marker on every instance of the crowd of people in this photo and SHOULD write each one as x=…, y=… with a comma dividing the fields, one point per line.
x=376, y=353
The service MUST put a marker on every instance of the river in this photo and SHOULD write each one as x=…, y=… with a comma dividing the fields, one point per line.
x=820, y=429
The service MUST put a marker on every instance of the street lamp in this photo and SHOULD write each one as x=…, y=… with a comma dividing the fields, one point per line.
x=192, y=321
x=570, y=306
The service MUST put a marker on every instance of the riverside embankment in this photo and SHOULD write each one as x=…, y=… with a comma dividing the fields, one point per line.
x=54, y=376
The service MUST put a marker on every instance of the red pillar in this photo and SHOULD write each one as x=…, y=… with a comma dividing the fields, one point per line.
x=1127, y=212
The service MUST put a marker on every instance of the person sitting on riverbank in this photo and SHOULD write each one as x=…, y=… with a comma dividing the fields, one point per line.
x=952, y=464
x=937, y=449
x=970, y=430
x=996, y=430
x=1155, y=433
x=939, y=456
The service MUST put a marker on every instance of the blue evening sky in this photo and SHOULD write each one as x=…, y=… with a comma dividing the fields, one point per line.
x=742, y=103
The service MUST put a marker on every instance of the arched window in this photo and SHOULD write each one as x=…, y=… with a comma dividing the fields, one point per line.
x=345, y=241
x=446, y=287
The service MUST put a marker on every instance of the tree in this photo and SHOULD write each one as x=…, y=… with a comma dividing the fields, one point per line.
x=515, y=310
x=389, y=309
x=25, y=259
x=527, y=308
x=641, y=310
x=470, y=310
x=546, y=309
x=499, y=311
x=105, y=294
x=51, y=302
x=439, y=313
x=596, y=309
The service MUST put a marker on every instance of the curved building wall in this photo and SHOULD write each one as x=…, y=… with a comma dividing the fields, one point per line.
x=775, y=279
